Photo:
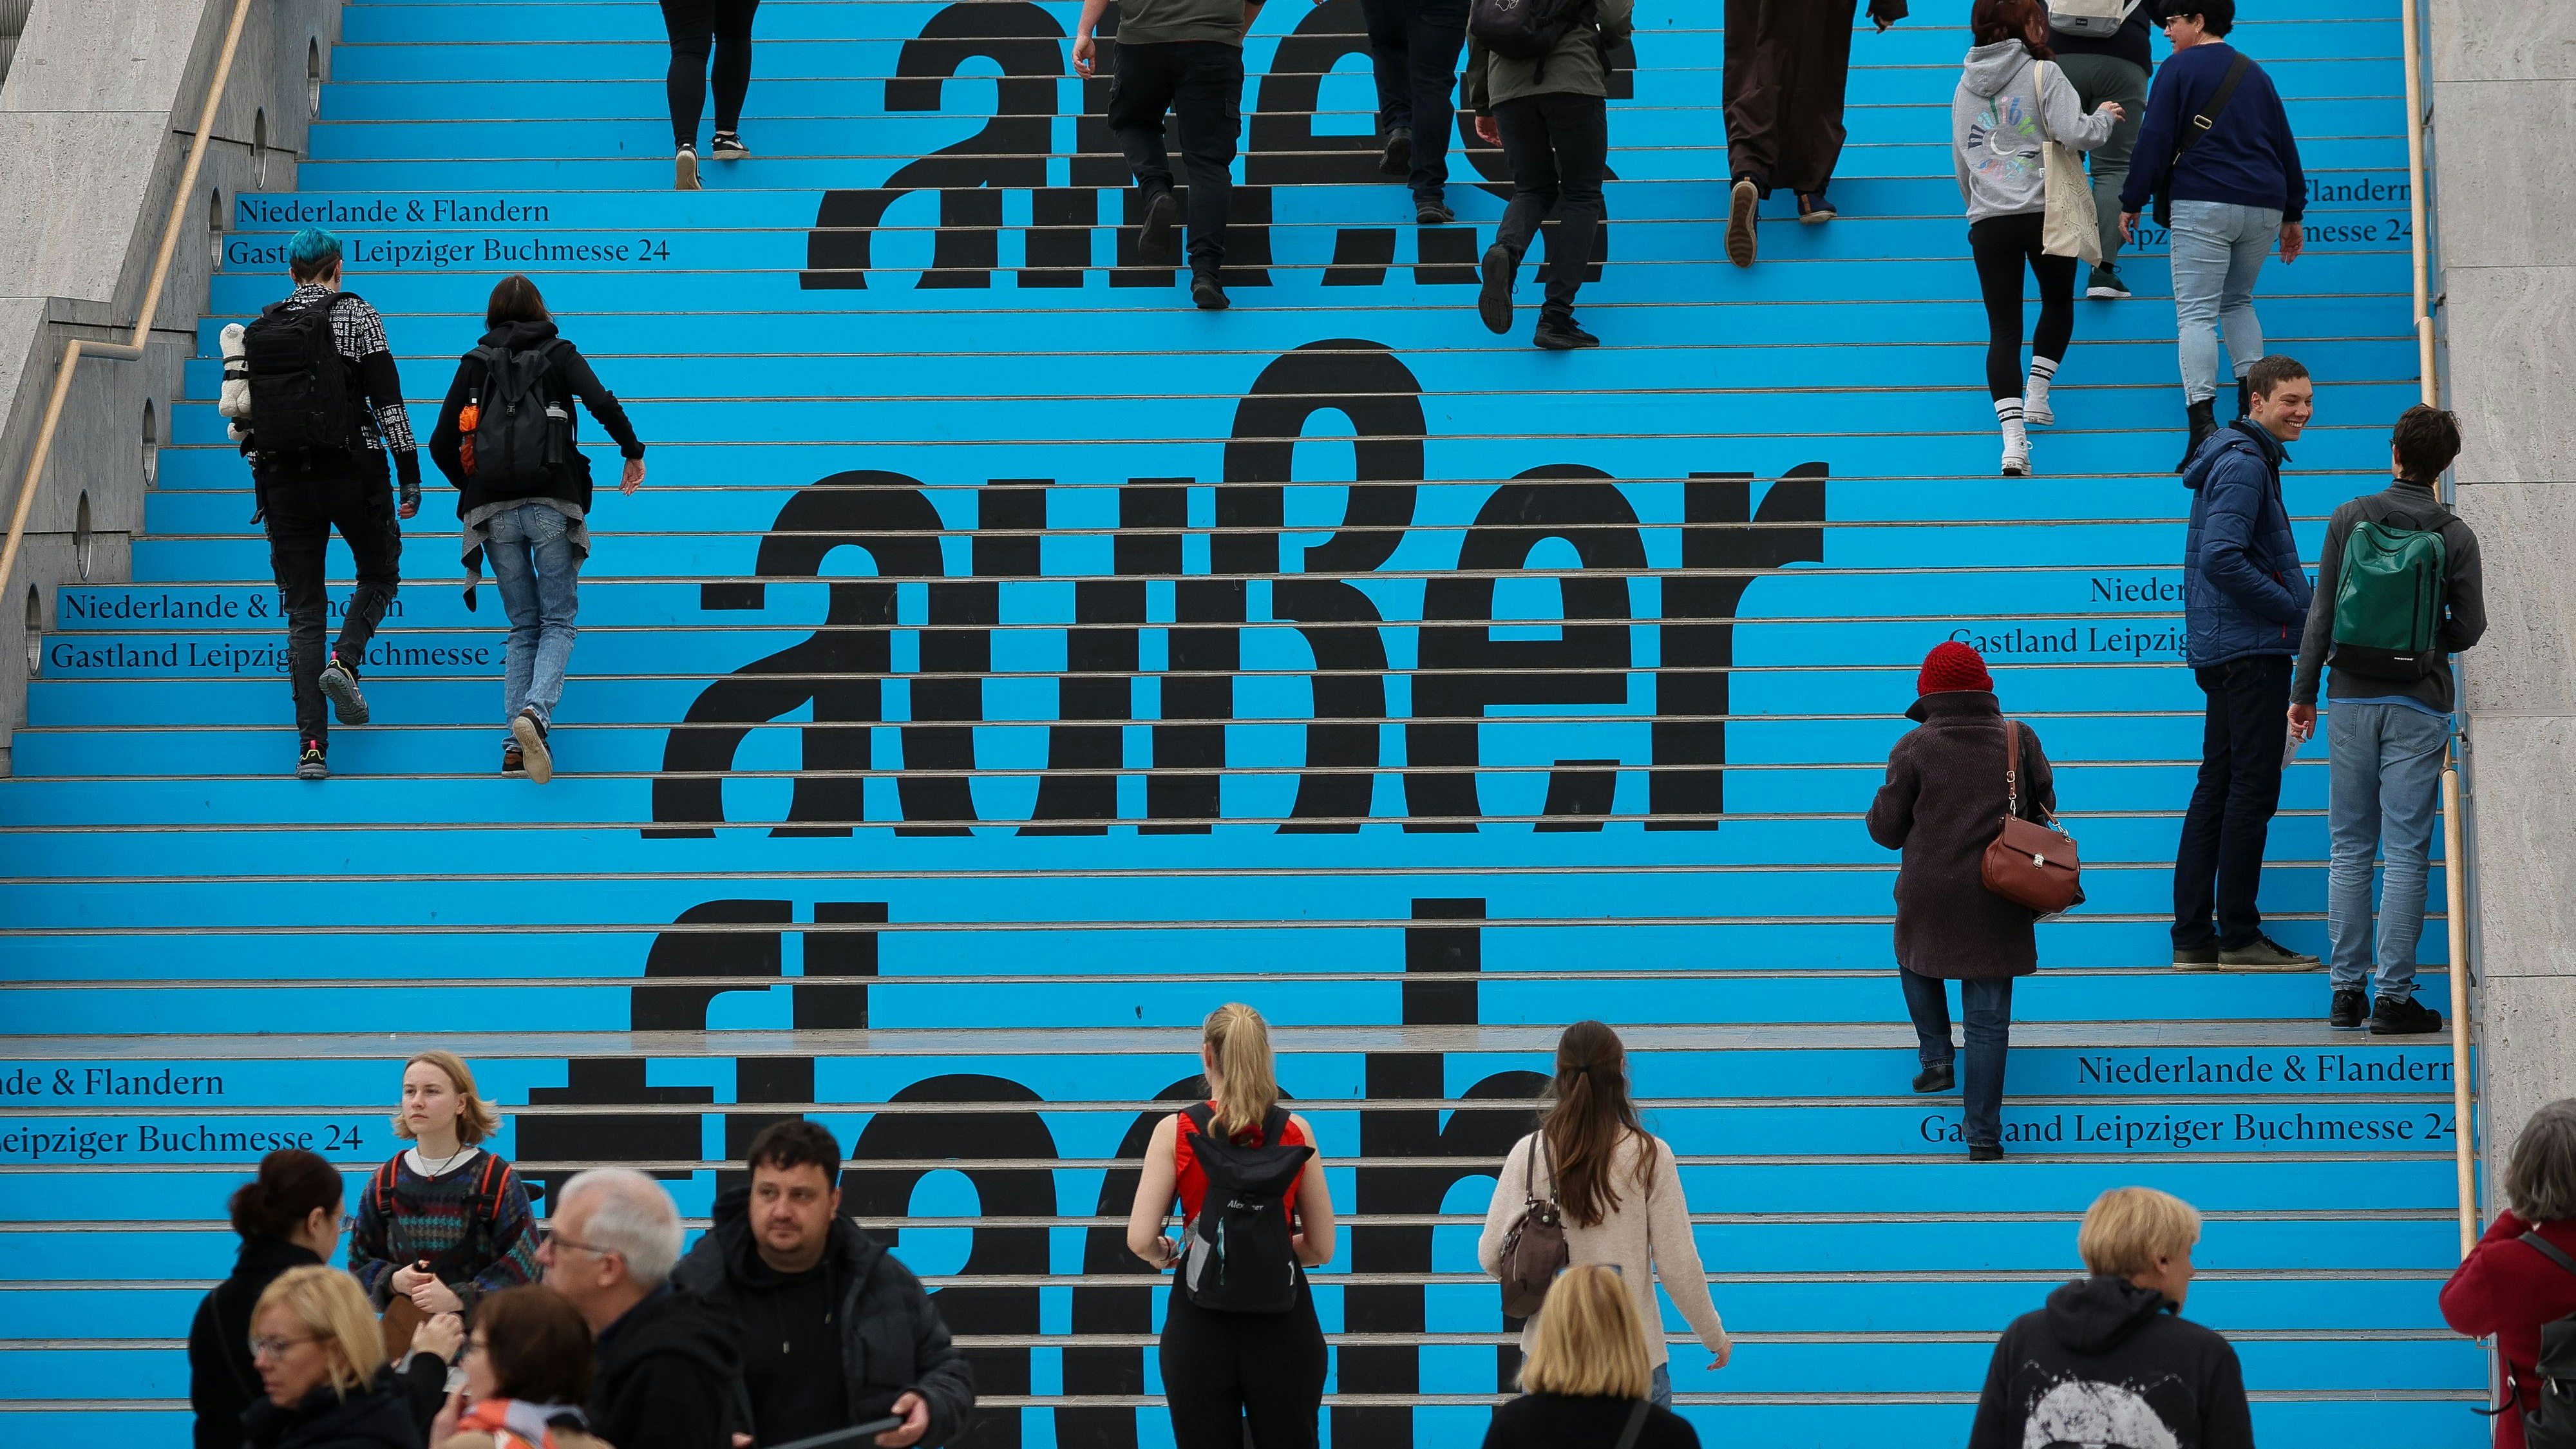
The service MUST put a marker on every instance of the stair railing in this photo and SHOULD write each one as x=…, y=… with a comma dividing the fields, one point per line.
x=130, y=351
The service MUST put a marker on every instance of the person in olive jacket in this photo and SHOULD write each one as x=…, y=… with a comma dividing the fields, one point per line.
x=1943, y=803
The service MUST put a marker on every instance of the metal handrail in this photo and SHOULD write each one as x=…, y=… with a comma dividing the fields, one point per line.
x=77, y=348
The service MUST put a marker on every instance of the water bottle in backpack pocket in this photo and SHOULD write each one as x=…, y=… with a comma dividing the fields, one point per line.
x=2388, y=601
x=304, y=395
x=1237, y=1255
x=518, y=438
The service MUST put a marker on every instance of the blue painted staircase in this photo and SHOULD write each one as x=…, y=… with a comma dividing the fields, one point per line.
x=1006, y=663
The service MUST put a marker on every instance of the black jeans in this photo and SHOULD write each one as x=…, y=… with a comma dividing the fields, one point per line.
x=1226, y=1373
x=1413, y=51
x=302, y=507
x=697, y=26
x=2001, y=245
x=1987, y=1007
x=1201, y=83
x=2218, y=867
x=1556, y=145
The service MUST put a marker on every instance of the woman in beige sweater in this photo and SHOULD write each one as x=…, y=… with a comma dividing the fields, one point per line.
x=1618, y=1189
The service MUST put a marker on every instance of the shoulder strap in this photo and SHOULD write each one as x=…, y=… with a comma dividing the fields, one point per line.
x=1636, y=1425
x=2550, y=1250
x=2039, y=99
x=1200, y=1116
x=1274, y=1127
x=2199, y=125
x=2012, y=768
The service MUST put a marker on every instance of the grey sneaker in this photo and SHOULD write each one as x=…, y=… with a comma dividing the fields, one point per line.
x=1741, y=200
x=309, y=765
x=2196, y=958
x=2105, y=286
x=2264, y=954
x=534, y=757
x=341, y=687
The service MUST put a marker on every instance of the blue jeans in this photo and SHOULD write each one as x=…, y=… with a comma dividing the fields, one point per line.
x=2218, y=249
x=1662, y=1391
x=539, y=575
x=1987, y=1005
x=2386, y=782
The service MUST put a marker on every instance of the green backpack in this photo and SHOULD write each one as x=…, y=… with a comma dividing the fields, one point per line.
x=2388, y=602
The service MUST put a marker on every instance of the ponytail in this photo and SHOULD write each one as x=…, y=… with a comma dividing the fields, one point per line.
x=1239, y=1040
x=1590, y=1117
x=291, y=1184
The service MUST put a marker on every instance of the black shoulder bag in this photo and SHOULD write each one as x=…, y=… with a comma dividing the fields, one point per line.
x=2199, y=126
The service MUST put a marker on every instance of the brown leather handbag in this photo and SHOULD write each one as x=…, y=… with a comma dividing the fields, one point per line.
x=2030, y=864
x=1535, y=1250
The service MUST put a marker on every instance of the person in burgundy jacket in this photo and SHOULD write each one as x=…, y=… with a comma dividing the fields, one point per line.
x=2509, y=1288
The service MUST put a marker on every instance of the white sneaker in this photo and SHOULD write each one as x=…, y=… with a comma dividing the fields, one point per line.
x=686, y=165
x=2017, y=460
x=2035, y=411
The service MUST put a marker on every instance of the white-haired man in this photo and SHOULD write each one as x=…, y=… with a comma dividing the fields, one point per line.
x=667, y=1361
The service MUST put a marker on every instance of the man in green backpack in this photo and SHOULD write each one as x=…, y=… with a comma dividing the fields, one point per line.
x=2398, y=592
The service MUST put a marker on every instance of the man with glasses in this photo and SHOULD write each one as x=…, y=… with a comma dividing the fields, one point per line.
x=666, y=1359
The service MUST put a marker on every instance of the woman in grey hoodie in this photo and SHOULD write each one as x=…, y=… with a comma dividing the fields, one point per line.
x=2007, y=95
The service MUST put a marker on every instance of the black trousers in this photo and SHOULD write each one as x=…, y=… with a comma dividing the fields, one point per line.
x=1200, y=82
x=301, y=508
x=1413, y=51
x=1228, y=1373
x=1786, y=61
x=1556, y=146
x=697, y=26
x=2219, y=865
x=2002, y=245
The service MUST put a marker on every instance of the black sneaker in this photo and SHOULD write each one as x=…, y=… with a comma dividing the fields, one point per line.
x=2351, y=1009
x=1936, y=1079
x=1205, y=291
x=2202, y=420
x=1815, y=207
x=1494, y=301
x=340, y=683
x=310, y=766
x=2264, y=954
x=1431, y=209
x=2196, y=958
x=1154, y=233
x=2403, y=1018
x=1560, y=334
x=729, y=147
x=1398, y=160
x=530, y=732
x=514, y=764
x=1985, y=1152
x=2105, y=285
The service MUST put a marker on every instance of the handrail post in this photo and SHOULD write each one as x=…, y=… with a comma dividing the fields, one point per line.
x=2414, y=50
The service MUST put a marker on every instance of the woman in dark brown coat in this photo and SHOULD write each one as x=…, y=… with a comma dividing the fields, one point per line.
x=1942, y=804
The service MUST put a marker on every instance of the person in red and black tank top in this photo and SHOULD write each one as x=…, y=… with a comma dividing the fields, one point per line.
x=1226, y=1372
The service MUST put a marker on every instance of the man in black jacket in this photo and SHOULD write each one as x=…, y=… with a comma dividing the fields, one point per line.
x=836, y=1332
x=666, y=1363
x=2110, y=1360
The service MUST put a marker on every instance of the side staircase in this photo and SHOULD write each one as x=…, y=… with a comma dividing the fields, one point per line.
x=1006, y=663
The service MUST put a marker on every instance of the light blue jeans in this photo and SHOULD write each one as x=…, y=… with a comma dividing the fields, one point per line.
x=2385, y=784
x=1662, y=1391
x=539, y=575
x=2218, y=249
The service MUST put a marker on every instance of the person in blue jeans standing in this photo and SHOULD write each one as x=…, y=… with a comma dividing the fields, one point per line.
x=535, y=528
x=2386, y=732
x=2233, y=188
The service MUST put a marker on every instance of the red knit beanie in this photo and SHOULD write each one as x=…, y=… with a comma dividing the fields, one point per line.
x=1952, y=665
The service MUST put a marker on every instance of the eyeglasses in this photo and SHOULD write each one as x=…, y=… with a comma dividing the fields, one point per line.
x=261, y=1348
x=559, y=1241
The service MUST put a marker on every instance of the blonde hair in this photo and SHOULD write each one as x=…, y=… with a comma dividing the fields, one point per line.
x=475, y=1118
x=2129, y=1228
x=1240, y=1041
x=333, y=1308
x=1587, y=1341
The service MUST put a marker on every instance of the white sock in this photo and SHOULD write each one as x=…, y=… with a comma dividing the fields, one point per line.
x=2036, y=390
x=2008, y=416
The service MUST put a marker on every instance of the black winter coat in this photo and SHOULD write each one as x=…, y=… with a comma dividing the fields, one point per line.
x=221, y=1379
x=377, y=1417
x=892, y=1337
x=666, y=1375
x=1942, y=805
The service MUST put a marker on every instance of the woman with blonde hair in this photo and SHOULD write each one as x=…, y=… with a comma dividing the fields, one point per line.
x=445, y=1222
x=1242, y=1350
x=1585, y=1378
x=1618, y=1190
x=322, y=1369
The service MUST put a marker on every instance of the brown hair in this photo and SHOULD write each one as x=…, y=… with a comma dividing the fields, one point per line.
x=2270, y=371
x=793, y=1143
x=333, y=1308
x=475, y=1119
x=1591, y=1117
x=1588, y=1340
x=2426, y=440
x=514, y=299
x=291, y=1184
x=538, y=1345
x=2540, y=1177
x=1993, y=20
x=1240, y=1041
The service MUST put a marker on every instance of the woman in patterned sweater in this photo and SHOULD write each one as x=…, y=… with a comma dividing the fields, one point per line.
x=446, y=1222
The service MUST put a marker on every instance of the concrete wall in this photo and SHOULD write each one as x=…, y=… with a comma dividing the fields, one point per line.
x=98, y=109
x=2504, y=101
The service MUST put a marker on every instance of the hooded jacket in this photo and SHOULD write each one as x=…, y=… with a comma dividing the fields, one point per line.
x=892, y=1338
x=2108, y=1362
x=568, y=377
x=666, y=1375
x=1942, y=805
x=2243, y=589
x=222, y=1382
x=377, y=1417
x=1995, y=125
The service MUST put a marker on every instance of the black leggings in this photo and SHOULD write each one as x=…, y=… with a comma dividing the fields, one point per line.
x=697, y=26
x=1224, y=1373
x=2000, y=245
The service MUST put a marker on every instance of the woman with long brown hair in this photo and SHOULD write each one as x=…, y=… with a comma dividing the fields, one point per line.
x=1618, y=1190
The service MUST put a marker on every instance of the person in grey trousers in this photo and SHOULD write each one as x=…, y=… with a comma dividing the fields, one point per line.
x=2111, y=69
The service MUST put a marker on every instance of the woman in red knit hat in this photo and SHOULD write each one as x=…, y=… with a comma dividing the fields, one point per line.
x=1942, y=804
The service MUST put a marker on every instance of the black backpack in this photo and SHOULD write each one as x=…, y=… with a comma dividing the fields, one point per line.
x=1526, y=29
x=522, y=438
x=1236, y=1256
x=2551, y=1423
x=304, y=396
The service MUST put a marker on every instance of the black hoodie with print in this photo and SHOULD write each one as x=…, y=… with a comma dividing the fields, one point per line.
x=2107, y=1364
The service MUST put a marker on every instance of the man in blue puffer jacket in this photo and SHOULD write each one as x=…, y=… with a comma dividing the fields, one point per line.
x=2245, y=604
